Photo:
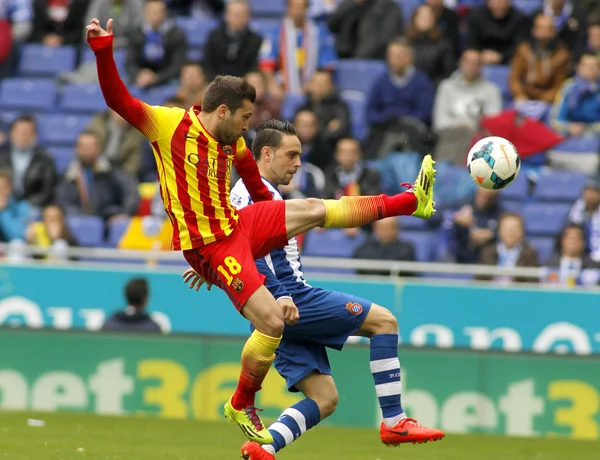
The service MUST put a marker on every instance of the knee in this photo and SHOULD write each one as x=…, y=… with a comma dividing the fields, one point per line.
x=327, y=404
x=386, y=323
x=316, y=210
x=272, y=325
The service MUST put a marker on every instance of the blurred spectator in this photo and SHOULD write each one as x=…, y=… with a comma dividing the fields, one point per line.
x=538, y=69
x=321, y=9
x=496, y=29
x=570, y=265
x=447, y=21
x=315, y=148
x=120, y=142
x=308, y=182
x=433, y=52
x=134, y=317
x=570, y=22
x=475, y=225
x=333, y=114
x=14, y=214
x=296, y=49
x=577, y=106
x=157, y=48
x=350, y=176
x=6, y=46
x=586, y=212
x=91, y=186
x=511, y=250
x=232, y=48
x=266, y=106
x=197, y=8
x=58, y=22
x=52, y=231
x=192, y=84
x=459, y=103
x=385, y=244
x=4, y=129
x=33, y=170
x=127, y=15
x=363, y=28
x=593, y=38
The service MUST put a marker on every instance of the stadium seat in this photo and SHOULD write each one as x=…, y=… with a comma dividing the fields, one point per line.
x=580, y=144
x=195, y=54
x=517, y=190
x=270, y=8
x=290, y=104
x=27, y=94
x=558, y=185
x=265, y=26
x=331, y=243
x=408, y=7
x=358, y=75
x=119, y=54
x=544, y=245
x=358, y=115
x=8, y=117
x=545, y=219
x=46, y=61
x=528, y=6
x=412, y=223
x=116, y=230
x=82, y=98
x=511, y=206
x=62, y=157
x=424, y=242
x=498, y=74
x=154, y=96
x=453, y=185
x=61, y=129
x=88, y=231
x=196, y=30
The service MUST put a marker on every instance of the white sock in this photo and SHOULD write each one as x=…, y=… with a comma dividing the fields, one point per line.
x=270, y=449
x=393, y=421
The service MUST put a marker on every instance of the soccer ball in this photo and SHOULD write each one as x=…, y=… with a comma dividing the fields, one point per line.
x=493, y=163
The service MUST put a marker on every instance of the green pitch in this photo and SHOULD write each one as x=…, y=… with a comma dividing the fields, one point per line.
x=90, y=437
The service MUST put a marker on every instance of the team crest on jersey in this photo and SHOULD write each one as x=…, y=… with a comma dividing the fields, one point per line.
x=237, y=284
x=354, y=308
x=227, y=149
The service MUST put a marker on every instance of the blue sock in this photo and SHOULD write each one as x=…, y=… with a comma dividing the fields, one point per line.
x=385, y=368
x=293, y=423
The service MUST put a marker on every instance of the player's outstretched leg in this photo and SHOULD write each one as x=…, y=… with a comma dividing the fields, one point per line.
x=396, y=427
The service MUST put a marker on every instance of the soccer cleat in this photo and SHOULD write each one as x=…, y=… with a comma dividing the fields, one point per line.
x=408, y=430
x=423, y=189
x=249, y=422
x=253, y=451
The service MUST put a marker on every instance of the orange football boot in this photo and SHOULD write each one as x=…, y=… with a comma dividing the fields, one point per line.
x=408, y=430
x=253, y=451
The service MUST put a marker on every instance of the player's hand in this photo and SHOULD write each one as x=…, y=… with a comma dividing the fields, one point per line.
x=194, y=279
x=94, y=30
x=290, y=311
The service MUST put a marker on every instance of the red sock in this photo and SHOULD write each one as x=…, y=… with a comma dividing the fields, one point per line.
x=403, y=204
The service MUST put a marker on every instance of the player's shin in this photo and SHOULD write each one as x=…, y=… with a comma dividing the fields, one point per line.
x=385, y=368
x=355, y=211
x=292, y=424
x=257, y=356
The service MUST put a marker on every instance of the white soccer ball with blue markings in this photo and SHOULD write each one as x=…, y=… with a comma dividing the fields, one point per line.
x=493, y=163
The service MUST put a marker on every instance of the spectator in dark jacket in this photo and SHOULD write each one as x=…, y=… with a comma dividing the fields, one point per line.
x=157, y=49
x=134, y=317
x=315, y=149
x=266, y=106
x=91, y=186
x=385, y=244
x=446, y=20
x=57, y=23
x=333, y=114
x=570, y=21
x=126, y=15
x=496, y=29
x=33, y=170
x=433, y=52
x=363, y=28
x=232, y=48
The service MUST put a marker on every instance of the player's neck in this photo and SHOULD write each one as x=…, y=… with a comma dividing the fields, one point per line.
x=266, y=174
x=209, y=122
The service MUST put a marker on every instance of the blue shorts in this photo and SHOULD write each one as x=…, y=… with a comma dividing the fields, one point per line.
x=327, y=319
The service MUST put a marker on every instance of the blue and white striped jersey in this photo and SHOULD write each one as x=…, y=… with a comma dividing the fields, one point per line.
x=282, y=267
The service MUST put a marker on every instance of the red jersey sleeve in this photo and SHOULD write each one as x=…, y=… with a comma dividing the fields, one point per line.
x=248, y=170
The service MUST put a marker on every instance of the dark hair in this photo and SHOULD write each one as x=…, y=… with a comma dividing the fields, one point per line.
x=413, y=34
x=24, y=119
x=561, y=235
x=269, y=134
x=509, y=214
x=228, y=90
x=136, y=292
x=175, y=101
x=89, y=132
x=305, y=110
x=587, y=54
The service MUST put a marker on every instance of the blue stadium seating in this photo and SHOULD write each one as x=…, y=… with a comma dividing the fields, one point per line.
x=195, y=54
x=116, y=230
x=424, y=242
x=154, y=96
x=499, y=74
x=265, y=26
x=62, y=157
x=544, y=245
x=517, y=190
x=46, y=61
x=290, y=104
x=88, y=231
x=545, y=219
x=8, y=117
x=358, y=75
x=82, y=98
x=512, y=206
x=358, y=115
x=270, y=8
x=27, y=94
x=408, y=7
x=119, y=54
x=60, y=129
x=331, y=243
x=412, y=223
x=528, y=6
x=580, y=144
x=196, y=30
x=557, y=185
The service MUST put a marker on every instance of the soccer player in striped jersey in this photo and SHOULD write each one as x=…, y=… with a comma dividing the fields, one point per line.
x=195, y=150
x=327, y=319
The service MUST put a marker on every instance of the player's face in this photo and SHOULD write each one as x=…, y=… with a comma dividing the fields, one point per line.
x=285, y=161
x=572, y=242
x=234, y=125
x=510, y=231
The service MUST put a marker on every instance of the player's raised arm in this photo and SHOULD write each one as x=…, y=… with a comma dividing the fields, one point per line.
x=116, y=95
x=248, y=170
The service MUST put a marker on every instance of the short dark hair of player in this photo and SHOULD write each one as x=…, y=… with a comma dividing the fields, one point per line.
x=269, y=134
x=24, y=119
x=137, y=292
x=228, y=90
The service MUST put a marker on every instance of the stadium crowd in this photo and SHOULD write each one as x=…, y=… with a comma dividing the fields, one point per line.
x=371, y=85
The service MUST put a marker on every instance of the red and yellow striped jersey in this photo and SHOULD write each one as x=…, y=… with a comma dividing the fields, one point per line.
x=194, y=168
